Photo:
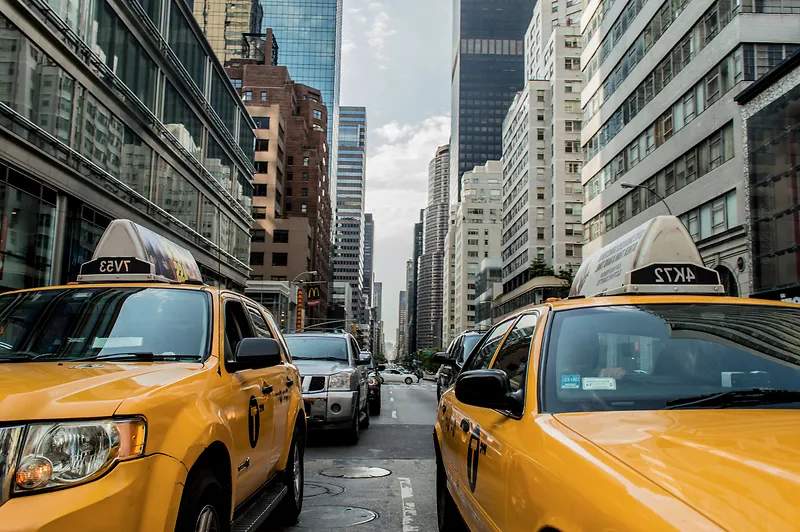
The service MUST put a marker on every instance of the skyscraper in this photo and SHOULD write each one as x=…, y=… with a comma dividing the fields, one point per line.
x=369, y=244
x=402, y=311
x=226, y=24
x=488, y=70
x=348, y=257
x=309, y=34
x=431, y=267
x=419, y=231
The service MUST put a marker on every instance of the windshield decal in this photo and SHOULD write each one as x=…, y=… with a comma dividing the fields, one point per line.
x=599, y=383
x=570, y=382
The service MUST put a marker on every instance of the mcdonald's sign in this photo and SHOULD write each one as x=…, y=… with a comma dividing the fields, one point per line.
x=313, y=296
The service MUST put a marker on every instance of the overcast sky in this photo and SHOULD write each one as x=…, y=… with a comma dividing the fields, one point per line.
x=396, y=63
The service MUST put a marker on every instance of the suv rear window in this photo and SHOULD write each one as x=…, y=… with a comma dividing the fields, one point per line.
x=642, y=357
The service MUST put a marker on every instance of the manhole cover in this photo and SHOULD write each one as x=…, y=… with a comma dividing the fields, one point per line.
x=356, y=472
x=334, y=517
x=320, y=489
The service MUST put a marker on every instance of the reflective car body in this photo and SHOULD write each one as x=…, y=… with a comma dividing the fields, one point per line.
x=458, y=351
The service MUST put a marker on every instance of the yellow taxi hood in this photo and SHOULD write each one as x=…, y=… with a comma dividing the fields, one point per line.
x=53, y=390
x=740, y=468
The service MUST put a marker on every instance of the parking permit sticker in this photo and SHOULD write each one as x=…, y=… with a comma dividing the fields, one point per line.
x=570, y=382
x=599, y=383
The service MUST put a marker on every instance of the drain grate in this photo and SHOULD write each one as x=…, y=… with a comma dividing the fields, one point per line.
x=334, y=517
x=320, y=489
x=356, y=472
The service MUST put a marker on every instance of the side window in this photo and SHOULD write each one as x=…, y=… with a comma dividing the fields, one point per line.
x=483, y=353
x=237, y=327
x=259, y=323
x=356, y=349
x=513, y=355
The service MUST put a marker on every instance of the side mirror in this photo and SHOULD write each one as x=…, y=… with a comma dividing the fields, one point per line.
x=486, y=388
x=444, y=358
x=381, y=367
x=364, y=360
x=257, y=353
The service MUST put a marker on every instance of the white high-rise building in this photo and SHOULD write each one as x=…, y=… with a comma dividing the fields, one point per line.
x=660, y=119
x=473, y=236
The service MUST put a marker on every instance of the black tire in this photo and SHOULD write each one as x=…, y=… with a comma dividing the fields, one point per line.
x=354, y=432
x=365, y=423
x=293, y=478
x=448, y=519
x=375, y=407
x=203, y=498
x=409, y=380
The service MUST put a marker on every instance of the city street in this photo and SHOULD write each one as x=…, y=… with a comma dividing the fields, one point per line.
x=398, y=441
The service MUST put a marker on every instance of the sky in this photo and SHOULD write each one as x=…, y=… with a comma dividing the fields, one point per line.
x=396, y=63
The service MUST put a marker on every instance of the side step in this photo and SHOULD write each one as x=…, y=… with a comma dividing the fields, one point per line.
x=259, y=509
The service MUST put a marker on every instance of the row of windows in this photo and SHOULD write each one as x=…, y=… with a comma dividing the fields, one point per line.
x=709, y=154
x=708, y=27
x=491, y=46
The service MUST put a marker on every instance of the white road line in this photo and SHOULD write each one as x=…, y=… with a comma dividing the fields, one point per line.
x=409, y=508
x=391, y=398
x=394, y=414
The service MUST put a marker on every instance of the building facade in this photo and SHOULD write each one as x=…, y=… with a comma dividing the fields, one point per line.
x=348, y=255
x=475, y=236
x=402, y=318
x=771, y=126
x=309, y=35
x=488, y=285
x=487, y=71
x=412, y=280
x=118, y=112
x=369, y=259
x=431, y=266
x=233, y=29
x=292, y=211
x=659, y=82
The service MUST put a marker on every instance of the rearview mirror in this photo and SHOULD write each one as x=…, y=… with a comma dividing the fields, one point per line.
x=257, y=353
x=364, y=360
x=487, y=388
x=444, y=358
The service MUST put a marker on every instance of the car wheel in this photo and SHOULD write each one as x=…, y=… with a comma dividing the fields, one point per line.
x=202, y=506
x=447, y=517
x=293, y=478
x=365, y=423
x=409, y=380
x=354, y=432
x=382, y=380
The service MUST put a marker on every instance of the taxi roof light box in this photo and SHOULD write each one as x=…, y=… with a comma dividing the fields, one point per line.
x=658, y=257
x=128, y=251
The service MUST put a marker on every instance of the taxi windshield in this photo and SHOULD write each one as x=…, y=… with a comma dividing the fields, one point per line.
x=647, y=357
x=104, y=323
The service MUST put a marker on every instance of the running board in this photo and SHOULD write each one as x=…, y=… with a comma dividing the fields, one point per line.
x=259, y=510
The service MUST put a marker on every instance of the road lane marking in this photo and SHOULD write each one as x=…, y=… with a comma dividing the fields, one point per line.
x=409, y=507
x=394, y=414
x=391, y=398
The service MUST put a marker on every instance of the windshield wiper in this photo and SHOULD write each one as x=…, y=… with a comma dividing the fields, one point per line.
x=335, y=359
x=750, y=397
x=145, y=356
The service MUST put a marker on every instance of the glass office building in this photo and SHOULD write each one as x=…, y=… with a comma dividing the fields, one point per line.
x=102, y=120
x=309, y=35
x=488, y=70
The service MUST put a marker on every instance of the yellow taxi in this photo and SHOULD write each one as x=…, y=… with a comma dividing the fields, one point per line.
x=139, y=399
x=647, y=401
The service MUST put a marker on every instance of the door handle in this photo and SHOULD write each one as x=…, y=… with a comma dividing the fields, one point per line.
x=465, y=425
x=267, y=389
x=289, y=383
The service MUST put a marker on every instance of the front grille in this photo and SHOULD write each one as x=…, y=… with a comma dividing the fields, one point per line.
x=317, y=384
x=10, y=441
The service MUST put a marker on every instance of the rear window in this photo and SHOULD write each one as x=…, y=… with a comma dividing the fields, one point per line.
x=640, y=357
x=317, y=347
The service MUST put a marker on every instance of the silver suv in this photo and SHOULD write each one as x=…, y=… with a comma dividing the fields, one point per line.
x=335, y=382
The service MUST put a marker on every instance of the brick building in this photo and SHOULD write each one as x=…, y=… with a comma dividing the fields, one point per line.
x=291, y=180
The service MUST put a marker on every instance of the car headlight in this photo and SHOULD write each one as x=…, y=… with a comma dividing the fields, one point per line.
x=62, y=454
x=341, y=381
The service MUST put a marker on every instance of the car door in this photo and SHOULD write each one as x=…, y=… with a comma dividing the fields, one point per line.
x=251, y=417
x=492, y=432
x=277, y=389
x=458, y=440
x=392, y=375
x=361, y=371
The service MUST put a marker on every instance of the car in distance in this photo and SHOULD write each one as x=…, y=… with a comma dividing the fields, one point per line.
x=458, y=351
x=647, y=400
x=123, y=406
x=396, y=375
x=335, y=384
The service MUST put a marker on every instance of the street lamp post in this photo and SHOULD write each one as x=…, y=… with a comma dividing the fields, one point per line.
x=292, y=284
x=651, y=191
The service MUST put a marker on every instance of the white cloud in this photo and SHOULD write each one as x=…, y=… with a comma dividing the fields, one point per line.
x=378, y=33
x=348, y=46
x=375, y=5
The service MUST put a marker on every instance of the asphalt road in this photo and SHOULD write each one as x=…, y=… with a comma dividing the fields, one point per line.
x=400, y=441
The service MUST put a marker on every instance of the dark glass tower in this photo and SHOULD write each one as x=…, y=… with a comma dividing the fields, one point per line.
x=488, y=70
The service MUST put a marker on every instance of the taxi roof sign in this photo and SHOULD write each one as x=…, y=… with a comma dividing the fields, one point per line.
x=658, y=257
x=128, y=251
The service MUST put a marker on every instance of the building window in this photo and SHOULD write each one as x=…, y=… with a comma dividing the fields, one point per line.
x=540, y=134
x=262, y=167
x=540, y=193
x=259, y=213
x=280, y=259
x=304, y=208
x=572, y=63
x=304, y=192
x=540, y=213
x=540, y=233
x=263, y=96
x=280, y=236
x=572, y=208
x=305, y=176
x=260, y=190
x=248, y=96
x=256, y=258
x=258, y=235
x=572, y=146
x=262, y=122
x=540, y=115
x=262, y=144
x=237, y=83
x=305, y=161
x=572, y=126
x=317, y=114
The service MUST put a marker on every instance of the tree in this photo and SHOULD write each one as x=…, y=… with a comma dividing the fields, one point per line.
x=566, y=275
x=539, y=268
